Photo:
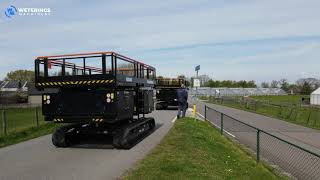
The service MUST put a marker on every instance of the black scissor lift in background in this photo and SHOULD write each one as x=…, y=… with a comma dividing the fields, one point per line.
x=166, y=91
x=99, y=93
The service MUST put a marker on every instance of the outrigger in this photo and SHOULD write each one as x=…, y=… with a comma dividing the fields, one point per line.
x=98, y=93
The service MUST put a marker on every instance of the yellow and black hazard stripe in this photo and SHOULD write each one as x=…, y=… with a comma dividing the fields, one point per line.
x=58, y=120
x=97, y=119
x=62, y=83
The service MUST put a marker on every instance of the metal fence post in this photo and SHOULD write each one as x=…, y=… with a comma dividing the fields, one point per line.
x=258, y=145
x=221, y=129
x=4, y=122
x=205, y=112
x=194, y=111
x=255, y=106
x=37, y=116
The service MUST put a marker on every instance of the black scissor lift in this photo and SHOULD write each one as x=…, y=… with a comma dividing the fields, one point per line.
x=99, y=93
x=166, y=91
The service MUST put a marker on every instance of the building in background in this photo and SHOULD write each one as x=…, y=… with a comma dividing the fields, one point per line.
x=22, y=93
x=12, y=92
x=222, y=92
x=35, y=96
x=9, y=87
x=315, y=97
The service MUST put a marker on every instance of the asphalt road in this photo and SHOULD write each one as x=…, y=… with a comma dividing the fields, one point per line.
x=39, y=159
x=306, y=137
x=291, y=159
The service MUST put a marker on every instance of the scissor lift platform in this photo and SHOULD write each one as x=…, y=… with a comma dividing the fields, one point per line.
x=91, y=69
x=105, y=91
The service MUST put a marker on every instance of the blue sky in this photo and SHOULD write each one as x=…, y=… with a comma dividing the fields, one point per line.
x=231, y=39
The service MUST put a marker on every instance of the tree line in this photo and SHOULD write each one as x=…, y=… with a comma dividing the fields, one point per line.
x=301, y=86
x=20, y=75
x=230, y=84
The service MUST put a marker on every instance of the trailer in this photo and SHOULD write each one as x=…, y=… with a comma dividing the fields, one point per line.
x=98, y=93
x=166, y=91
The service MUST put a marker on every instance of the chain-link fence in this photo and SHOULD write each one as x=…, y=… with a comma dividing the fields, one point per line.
x=18, y=119
x=291, y=158
x=296, y=113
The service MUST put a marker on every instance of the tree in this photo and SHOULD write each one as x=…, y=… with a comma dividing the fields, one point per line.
x=203, y=79
x=265, y=85
x=251, y=84
x=274, y=84
x=231, y=84
x=20, y=75
x=307, y=85
x=284, y=85
x=181, y=76
x=306, y=88
x=293, y=89
x=242, y=84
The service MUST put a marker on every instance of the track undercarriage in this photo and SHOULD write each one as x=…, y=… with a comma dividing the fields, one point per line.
x=161, y=105
x=124, y=135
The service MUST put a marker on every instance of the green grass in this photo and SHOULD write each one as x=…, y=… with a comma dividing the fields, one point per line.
x=286, y=108
x=19, y=119
x=194, y=150
x=22, y=126
x=203, y=98
x=286, y=99
x=26, y=134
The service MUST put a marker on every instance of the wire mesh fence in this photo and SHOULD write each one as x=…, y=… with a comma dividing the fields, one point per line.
x=18, y=119
x=300, y=114
x=242, y=132
x=291, y=158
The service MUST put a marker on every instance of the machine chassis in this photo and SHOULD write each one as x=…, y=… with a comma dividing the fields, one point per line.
x=112, y=99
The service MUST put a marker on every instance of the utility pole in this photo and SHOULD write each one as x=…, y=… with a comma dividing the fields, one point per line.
x=197, y=68
x=196, y=81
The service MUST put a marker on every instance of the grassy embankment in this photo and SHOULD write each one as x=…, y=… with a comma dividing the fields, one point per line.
x=194, y=150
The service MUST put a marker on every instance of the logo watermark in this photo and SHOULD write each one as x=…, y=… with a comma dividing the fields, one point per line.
x=13, y=11
x=10, y=11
